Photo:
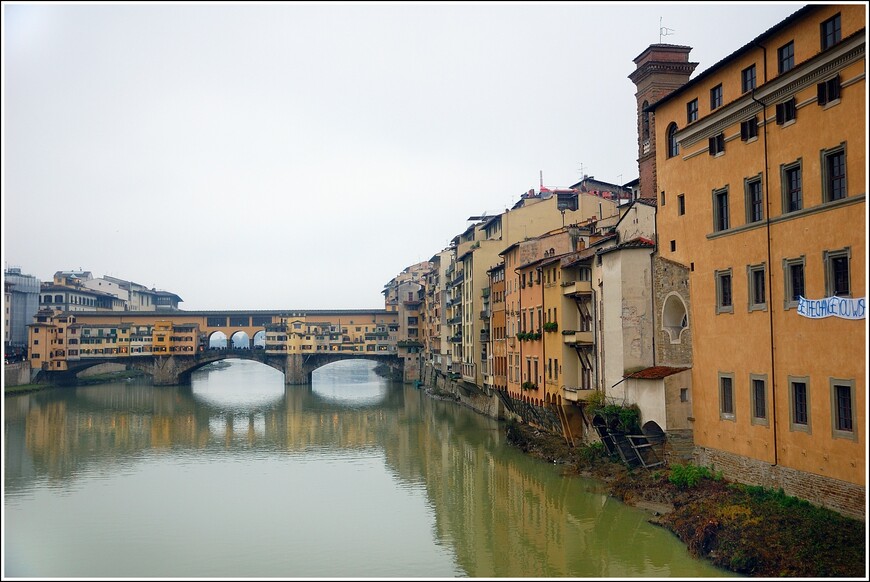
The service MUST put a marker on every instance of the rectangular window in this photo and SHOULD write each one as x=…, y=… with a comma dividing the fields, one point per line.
x=692, y=111
x=681, y=204
x=785, y=57
x=716, y=97
x=717, y=144
x=793, y=276
x=828, y=91
x=830, y=32
x=786, y=111
x=792, y=188
x=749, y=129
x=756, y=275
x=799, y=404
x=747, y=79
x=837, y=279
x=754, y=200
x=843, y=408
x=720, y=210
x=723, y=292
x=663, y=197
x=726, y=397
x=834, y=174
x=758, y=393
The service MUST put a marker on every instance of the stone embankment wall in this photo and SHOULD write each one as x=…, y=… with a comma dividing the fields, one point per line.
x=680, y=447
x=840, y=496
x=16, y=374
x=475, y=398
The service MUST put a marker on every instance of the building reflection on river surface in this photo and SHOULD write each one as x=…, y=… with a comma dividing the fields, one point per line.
x=499, y=512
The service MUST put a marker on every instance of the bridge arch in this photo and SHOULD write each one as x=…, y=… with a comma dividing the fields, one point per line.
x=184, y=376
x=240, y=339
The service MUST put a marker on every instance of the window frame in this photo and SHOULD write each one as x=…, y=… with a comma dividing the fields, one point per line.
x=834, y=36
x=827, y=179
x=673, y=146
x=719, y=278
x=785, y=57
x=785, y=170
x=750, y=202
x=749, y=129
x=829, y=258
x=748, y=78
x=725, y=414
x=681, y=204
x=721, y=220
x=716, y=97
x=753, y=400
x=692, y=110
x=828, y=91
x=836, y=431
x=756, y=277
x=717, y=145
x=788, y=281
x=786, y=112
x=795, y=426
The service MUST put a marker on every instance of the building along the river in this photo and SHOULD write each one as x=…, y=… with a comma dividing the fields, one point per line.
x=760, y=176
x=471, y=363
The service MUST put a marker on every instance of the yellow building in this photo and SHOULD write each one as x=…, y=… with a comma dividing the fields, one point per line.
x=760, y=171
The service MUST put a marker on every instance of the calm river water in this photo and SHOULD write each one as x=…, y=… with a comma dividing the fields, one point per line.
x=237, y=475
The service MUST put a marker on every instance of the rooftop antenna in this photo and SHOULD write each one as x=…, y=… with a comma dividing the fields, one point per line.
x=582, y=175
x=542, y=178
x=664, y=31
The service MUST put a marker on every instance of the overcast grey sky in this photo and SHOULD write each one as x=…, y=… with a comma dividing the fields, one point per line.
x=300, y=155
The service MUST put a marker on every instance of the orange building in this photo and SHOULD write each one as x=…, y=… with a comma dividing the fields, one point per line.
x=760, y=175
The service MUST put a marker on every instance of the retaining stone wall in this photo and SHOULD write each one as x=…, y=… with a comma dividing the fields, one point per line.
x=840, y=496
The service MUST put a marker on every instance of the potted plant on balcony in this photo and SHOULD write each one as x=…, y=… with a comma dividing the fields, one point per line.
x=551, y=326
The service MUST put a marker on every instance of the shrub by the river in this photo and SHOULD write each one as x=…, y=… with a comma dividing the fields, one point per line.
x=690, y=475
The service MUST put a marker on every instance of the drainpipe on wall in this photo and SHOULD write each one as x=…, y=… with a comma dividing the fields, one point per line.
x=766, y=178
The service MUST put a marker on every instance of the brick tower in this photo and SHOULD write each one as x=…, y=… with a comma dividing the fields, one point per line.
x=661, y=68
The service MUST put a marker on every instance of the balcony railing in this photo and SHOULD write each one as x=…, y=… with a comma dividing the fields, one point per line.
x=577, y=288
x=572, y=337
x=576, y=393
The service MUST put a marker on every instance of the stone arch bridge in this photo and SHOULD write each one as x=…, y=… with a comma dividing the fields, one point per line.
x=177, y=369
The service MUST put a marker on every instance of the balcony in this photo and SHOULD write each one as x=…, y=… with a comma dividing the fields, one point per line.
x=575, y=338
x=484, y=335
x=577, y=393
x=456, y=339
x=577, y=288
x=484, y=314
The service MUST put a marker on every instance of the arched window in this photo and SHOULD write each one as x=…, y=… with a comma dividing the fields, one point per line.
x=673, y=146
x=675, y=317
x=644, y=122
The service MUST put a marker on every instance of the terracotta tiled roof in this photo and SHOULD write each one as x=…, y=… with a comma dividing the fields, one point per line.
x=656, y=373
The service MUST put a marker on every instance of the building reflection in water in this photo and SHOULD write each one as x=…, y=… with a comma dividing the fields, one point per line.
x=498, y=511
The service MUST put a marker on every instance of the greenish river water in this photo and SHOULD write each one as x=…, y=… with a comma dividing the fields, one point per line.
x=238, y=475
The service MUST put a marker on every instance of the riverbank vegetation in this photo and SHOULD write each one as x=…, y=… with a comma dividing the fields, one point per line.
x=748, y=530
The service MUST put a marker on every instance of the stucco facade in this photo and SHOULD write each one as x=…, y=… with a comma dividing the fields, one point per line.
x=762, y=202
